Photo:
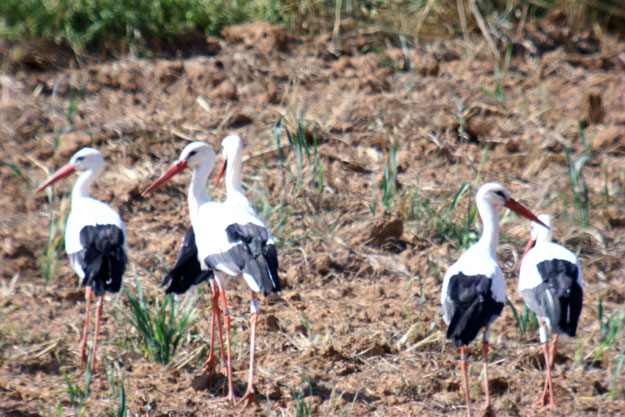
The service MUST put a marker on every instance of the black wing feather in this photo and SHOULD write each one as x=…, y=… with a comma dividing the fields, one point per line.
x=254, y=255
x=560, y=296
x=103, y=258
x=187, y=270
x=473, y=307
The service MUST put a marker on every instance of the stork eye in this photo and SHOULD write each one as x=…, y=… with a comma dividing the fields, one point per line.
x=192, y=153
x=500, y=194
x=80, y=158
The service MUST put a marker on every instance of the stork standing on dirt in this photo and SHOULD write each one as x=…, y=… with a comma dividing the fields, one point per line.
x=229, y=242
x=473, y=291
x=95, y=239
x=254, y=255
x=550, y=283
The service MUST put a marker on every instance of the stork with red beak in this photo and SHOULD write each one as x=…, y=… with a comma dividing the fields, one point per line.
x=229, y=243
x=95, y=239
x=550, y=283
x=473, y=292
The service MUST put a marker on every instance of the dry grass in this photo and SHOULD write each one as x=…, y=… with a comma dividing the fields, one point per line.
x=358, y=323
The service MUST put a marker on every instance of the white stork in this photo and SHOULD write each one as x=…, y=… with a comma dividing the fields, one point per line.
x=229, y=243
x=261, y=270
x=473, y=291
x=95, y=239
x=550, y=283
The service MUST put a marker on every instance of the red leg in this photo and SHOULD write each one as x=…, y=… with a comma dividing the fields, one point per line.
x=485, y=361
x=209, y=365
x=249, y=395
x=465, y=376
x=230, y=395
x=83, y=342
x=97, y=330
x=548, y=389
x=552, y=351
x=224, y=369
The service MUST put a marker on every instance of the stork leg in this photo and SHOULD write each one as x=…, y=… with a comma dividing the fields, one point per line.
x=548, y=363
x=465, y=376
x=209, y=365
x=83, y=342
x=230, y=395
x=552, y=351
x=485, y=361
x=97, y=330
x=249, y=395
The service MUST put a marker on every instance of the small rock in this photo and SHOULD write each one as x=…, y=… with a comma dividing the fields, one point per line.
x=270, y=322
x=387, y=227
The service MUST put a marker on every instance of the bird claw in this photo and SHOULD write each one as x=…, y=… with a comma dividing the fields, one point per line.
x=227, y=398
x=247, y=398
x=208, y=367
x=542, y=403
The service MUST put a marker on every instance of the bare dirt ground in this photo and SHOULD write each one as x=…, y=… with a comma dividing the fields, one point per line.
x=357, y=330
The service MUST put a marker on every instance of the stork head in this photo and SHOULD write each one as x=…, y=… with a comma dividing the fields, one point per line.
x=192, y=156
x=493, y=193
x=497, y=195
x=232, y=145
x=540, y=233
x=83, y=160
x=196, y=154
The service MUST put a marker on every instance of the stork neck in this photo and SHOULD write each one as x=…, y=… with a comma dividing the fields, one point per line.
x=490, y=227
x=543, y=236
x=197, y=190
x=83, y=184
x=233, y=173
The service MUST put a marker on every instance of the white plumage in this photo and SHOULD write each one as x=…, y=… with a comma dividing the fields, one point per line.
x=95, y=237
x=543, y=250
x=231, y=240
x=550, y=283
x=474, y=292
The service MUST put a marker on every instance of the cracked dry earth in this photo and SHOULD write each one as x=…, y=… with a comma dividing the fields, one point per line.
x=356, y=330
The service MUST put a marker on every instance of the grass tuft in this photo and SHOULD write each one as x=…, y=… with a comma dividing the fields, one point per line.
x=54, y=247
x=162, y=326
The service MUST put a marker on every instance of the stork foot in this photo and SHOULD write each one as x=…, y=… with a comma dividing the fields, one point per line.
x=543, y=403
x=209, y=366
x=228, y=398
x=247, y=398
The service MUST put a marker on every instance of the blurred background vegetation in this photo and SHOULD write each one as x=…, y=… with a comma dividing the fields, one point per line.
x=116, y=25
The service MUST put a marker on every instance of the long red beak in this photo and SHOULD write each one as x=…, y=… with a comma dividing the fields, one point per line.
x=61, y=173
x=519, y=209
x=529, y=246
x=222, y=169
x=177, y=167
